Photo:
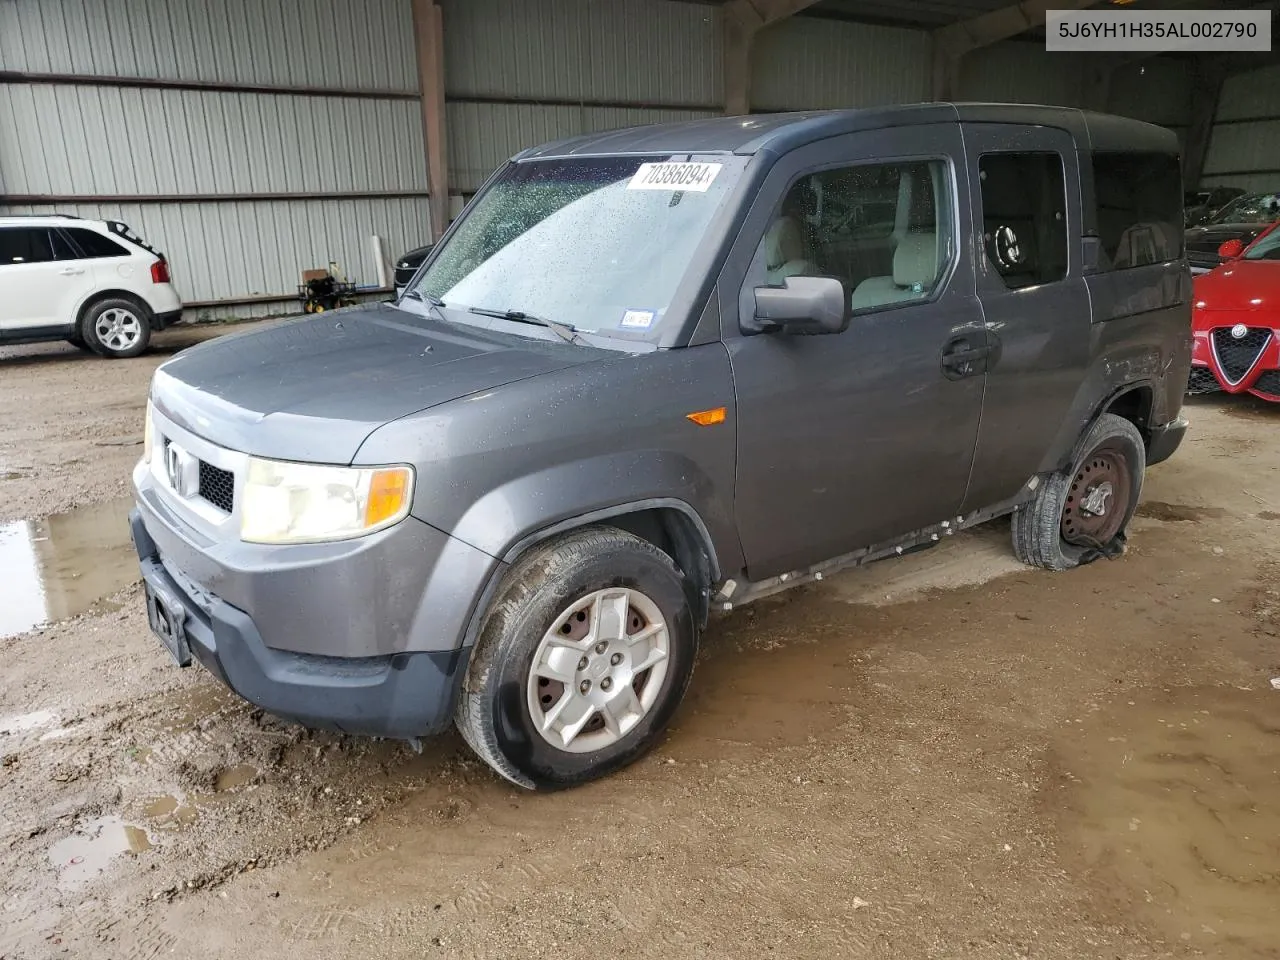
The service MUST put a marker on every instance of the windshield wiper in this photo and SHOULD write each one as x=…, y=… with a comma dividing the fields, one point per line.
x=563, y=330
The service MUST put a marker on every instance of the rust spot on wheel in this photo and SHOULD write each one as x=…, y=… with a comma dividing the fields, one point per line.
x=1095, y=511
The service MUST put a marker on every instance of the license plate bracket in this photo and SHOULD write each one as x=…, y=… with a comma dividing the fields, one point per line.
x=168, y=618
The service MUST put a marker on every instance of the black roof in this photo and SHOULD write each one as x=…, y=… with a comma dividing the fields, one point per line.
x=781, y=132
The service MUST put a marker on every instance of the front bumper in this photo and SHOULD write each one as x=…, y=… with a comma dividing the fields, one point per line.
x=397, y=695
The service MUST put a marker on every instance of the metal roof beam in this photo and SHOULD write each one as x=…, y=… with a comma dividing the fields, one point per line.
x=741, y=21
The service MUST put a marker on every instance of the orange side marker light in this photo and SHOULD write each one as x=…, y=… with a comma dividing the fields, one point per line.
x=707, y=418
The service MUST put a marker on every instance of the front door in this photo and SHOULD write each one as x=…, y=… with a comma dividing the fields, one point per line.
x=850, y=439
x=1037, y=309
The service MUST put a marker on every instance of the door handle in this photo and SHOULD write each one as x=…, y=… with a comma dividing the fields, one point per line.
x=960, y=359
x=71, y=271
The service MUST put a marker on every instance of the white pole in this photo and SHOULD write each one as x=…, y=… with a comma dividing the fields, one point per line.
x=380, y=262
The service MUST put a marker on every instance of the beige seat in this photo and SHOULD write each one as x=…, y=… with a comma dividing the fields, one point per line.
x=915, y=267
x=784, y=251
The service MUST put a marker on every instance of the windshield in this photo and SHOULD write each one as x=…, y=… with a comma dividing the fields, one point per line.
x=1257, y=209
x=600, y=244
x=1267, y=248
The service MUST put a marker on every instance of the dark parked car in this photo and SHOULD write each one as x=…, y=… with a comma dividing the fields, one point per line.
x=408, y=265
x=656, y=372
x=1243, y=219
x=1202, y=205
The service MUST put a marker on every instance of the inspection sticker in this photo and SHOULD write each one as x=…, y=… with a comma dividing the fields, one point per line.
x=637, y=319
x=675, y=176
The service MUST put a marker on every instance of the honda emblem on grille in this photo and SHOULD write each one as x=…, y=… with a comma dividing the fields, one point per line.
x=1239, y=330
x=182, y=469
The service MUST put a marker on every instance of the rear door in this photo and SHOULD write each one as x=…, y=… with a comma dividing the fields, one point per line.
x=107, y=260
x=1034, y=299
x=41, y=284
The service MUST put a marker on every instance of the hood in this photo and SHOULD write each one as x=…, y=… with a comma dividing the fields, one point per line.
x=314, y=389
x=1245, y=285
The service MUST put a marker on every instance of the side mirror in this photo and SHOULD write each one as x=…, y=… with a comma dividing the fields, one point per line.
x=1231, y=249
x=804, y=306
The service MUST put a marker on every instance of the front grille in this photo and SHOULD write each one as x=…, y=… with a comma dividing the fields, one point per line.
x=1202, y=380
x=218, y=486
x=1237, y=356
x=1268, y=382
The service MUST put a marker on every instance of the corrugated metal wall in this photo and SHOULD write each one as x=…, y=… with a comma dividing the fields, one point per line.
x=1157, y=90
x=518, y=74
x=1244, y=147
x=317, y=168
x=806, y=63
x=316, y=172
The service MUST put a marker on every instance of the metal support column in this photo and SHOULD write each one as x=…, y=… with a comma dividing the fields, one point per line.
x=428, y=31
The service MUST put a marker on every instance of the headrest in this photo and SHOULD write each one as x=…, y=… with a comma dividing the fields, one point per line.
x=783, y=242
x=916, y=260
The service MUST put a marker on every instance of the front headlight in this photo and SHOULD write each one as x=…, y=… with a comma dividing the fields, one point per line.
x=148, y=435
x=309, y=503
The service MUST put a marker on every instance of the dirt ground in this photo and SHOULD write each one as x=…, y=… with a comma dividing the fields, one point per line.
x=943, y=755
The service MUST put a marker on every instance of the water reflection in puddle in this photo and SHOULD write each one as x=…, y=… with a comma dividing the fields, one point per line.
x=62, y=565
x=92, y=847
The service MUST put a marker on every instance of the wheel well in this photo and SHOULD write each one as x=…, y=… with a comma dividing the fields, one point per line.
x=677, y=535
x=1134, y=405
x=99, y=295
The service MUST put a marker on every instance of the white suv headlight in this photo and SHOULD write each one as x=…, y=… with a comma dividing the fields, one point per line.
x=308, y=503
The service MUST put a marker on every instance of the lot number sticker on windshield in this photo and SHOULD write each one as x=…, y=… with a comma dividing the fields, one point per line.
x=675, y=176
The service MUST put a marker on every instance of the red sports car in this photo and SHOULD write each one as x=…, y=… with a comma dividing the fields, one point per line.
x=1236, y=321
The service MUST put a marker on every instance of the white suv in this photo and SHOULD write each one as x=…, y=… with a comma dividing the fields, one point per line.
x=94, y=283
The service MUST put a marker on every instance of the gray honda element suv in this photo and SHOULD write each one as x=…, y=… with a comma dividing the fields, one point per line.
x=660, y=371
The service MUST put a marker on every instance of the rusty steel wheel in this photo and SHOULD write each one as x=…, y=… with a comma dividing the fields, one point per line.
x=1097, y=501
x=1079, y=513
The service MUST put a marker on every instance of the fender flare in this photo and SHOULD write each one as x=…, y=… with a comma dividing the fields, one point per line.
x=1104, y=406
x=530, y=540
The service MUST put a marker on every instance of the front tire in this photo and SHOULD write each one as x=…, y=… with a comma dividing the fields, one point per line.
x=583, y=658
x=1081, y=513
x=116, y=328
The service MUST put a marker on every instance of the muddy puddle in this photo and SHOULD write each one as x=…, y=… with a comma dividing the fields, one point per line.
x=93, y=847
x=1173, y=804
x=63, y=565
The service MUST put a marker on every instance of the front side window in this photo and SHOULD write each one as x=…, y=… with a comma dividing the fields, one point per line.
x=601, y=244
x=25, y=245
x=1139, y=221
x=884, y=230
x=95, y=245
x=1024, y=217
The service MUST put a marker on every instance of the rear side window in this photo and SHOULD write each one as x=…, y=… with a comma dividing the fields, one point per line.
x=25, y=245
x=1139, y=208
x=1024, y=217
x=94, y=245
